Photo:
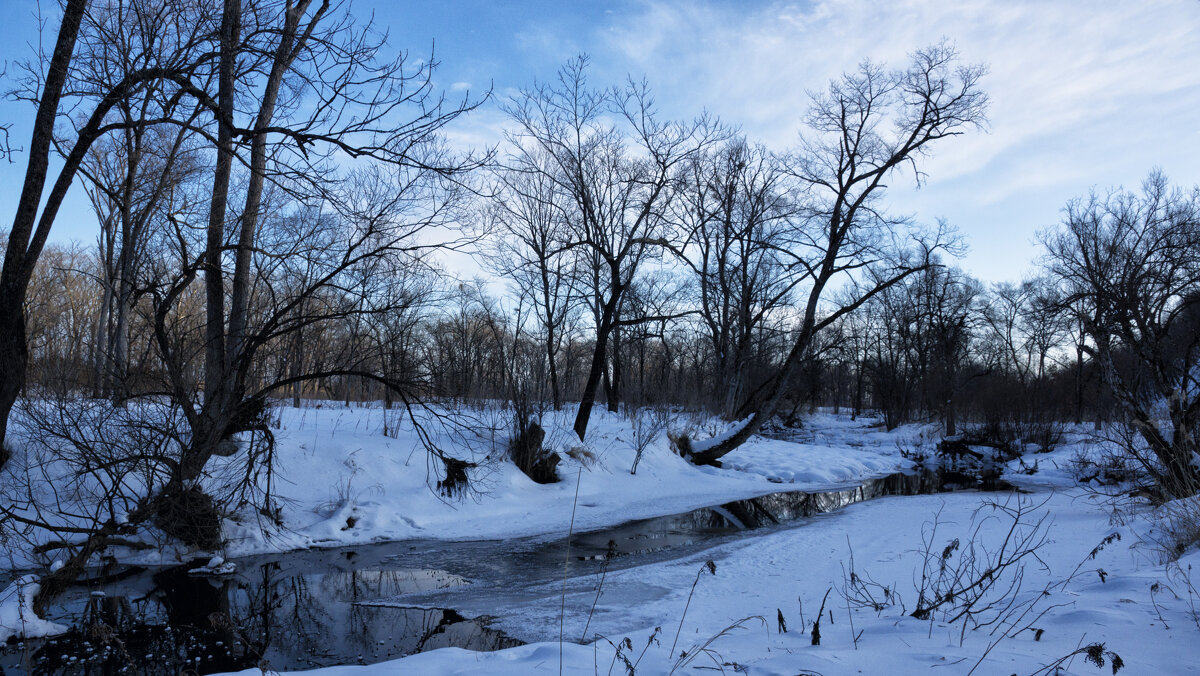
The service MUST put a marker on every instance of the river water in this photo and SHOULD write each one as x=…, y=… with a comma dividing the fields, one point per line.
x=314, y=608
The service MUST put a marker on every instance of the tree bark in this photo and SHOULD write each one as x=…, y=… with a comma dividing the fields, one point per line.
x=599, y=356
x=215, y=368
x=20, y=256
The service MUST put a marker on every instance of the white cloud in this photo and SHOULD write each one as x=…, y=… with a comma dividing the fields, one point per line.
x=1082, y=93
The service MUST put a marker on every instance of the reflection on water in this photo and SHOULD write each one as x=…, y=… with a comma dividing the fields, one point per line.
x=273, y=614
x=651, y=535
x=319, y=608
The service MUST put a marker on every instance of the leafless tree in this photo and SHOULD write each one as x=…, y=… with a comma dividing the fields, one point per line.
x=526, y=220
x=734, y=205
x=298, y=89
x=1129, y=266
x=615, y=162
x=868, y=125
x=132, y=176
x=65, y=88
x=60, y=307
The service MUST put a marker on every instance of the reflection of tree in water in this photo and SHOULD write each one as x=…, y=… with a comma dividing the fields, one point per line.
x=321, y=619
x=278, y=615
x=181, y=625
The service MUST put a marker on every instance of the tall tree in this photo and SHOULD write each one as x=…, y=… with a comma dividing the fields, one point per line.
x=734, y=206
x=526, y=220
x=24, y=241
x=1129, y=266
x=104, y=55
x=132, y=180
x=866, y=127
x=615, y=161
x=300, y=92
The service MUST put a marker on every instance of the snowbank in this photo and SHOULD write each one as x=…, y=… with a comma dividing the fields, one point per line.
x=17, y=618
x=342, y=482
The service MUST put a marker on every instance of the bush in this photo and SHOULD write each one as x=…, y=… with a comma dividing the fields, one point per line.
x=1012, y=438
x=1109, y=468
x=1178, y=527
x=456, y=481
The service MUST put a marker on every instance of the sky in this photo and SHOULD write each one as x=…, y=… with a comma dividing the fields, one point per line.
x=1084, y=94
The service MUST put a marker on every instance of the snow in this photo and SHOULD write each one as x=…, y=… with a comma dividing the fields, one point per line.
x=380, y=484
x=787, y=572
x=17, y=618
x=702, y=445
x=216, y=566
x=342, y=482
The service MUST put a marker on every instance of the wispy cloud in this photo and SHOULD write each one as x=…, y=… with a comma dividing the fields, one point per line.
x=1082, y=93
x=1055, y=67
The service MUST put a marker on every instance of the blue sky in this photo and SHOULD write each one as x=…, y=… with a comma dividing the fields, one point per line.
x=1083, y=93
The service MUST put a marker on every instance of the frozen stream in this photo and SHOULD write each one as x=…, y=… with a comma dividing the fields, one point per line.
x=378, y=602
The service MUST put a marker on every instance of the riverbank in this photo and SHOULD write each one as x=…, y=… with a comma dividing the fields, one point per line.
x=340, y=481
x=1093, y=577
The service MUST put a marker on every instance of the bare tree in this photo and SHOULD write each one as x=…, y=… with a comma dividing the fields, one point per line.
x=734, y=206
x=343, y=98
x=103, y=55
x=866, y=127
x=1129, y=265
x=132, y=177
x=298, y=90
x=616, y=181
x=24, y=241
x=60, y=309
x=947, y=298
x=526, y=220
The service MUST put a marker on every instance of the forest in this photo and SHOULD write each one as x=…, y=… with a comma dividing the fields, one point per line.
x=285, y=224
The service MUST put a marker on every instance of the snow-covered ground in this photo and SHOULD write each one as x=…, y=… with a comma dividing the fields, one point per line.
x=1084, y=586
x=342, y=482
x=335, y=466
x=17, y=618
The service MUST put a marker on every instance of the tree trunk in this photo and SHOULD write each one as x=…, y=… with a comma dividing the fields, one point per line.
x=613, y=395
x=556, y=398
x=215, y=368
x=100, y=348
x=1078, y=385
x=295, y=368
x=19, y=259
x=14, y=356
x=859, y=377
x=599, y=356
x=764, y=403
x=120, y=340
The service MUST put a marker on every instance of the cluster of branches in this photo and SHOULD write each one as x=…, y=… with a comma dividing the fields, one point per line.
x=264, y=171
x=944, y=346
x=598, y=196
x=792, y=285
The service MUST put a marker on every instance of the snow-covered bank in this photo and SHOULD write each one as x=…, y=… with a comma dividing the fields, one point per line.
x=1137, y=609
x=1096, y=580
x=341, y=481
x=346, y=476
x=17, y=618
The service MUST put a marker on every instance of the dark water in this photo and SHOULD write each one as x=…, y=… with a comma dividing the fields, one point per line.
x=326, y=607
